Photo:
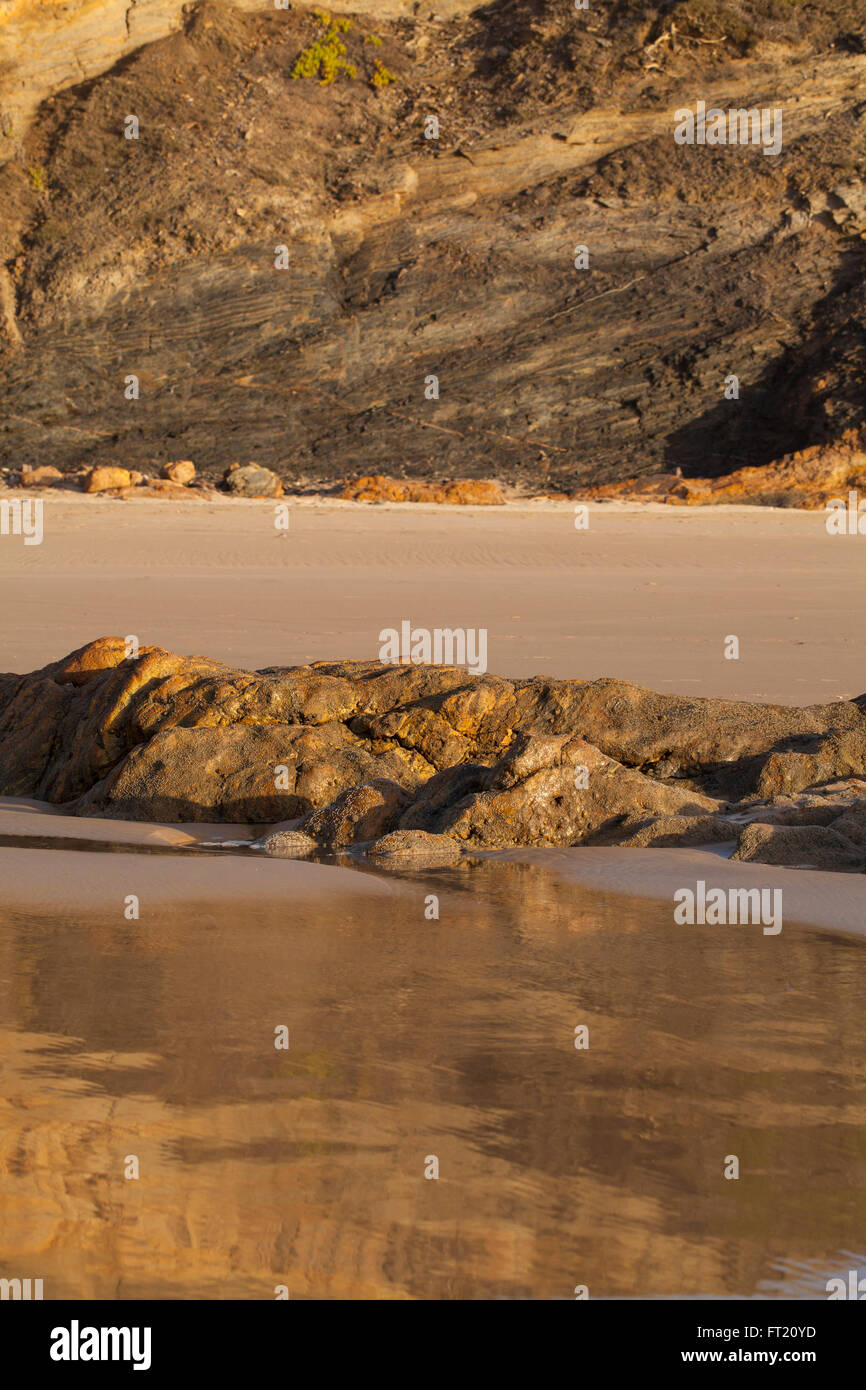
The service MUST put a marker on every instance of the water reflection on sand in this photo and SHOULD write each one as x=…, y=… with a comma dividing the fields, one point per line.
x=409, y=1038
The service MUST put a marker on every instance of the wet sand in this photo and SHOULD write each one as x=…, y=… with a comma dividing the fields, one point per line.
x=412, y=1038
x=647, y=594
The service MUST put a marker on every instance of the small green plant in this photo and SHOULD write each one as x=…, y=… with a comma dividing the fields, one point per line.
x=38, y=180
x=382, y=77
x=326, y=58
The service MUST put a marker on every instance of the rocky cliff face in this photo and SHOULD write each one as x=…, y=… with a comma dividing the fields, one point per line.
x=415, y=762
x=48, y=45
x=408, y=258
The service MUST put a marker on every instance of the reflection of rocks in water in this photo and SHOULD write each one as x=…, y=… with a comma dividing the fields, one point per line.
x=411, y=1037
x=351, y=754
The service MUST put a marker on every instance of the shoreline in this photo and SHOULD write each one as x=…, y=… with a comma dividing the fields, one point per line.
x=812, y=898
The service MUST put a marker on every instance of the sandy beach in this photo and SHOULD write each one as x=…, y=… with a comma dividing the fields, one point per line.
x=647, y=593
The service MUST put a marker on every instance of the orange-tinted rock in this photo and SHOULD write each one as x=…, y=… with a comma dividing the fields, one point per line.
x=181, y=472
x=665, y=831
x=553, y=790
x=93, y=660
x=840, y=754
x=466, y=492
x=473, y=492
x=104, y=478
x=244, y=773
x=414, y=849
x=800, y=847
x=286, y=844
x=164, y=487
x=375, y=488
x=808, y=479
x=358, y=751
x=365, y=812
x=41, y=477
x=160, y=488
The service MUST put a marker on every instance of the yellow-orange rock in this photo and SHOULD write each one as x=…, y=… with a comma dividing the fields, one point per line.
x=808, y=479
x=104, y=478
x=41, y=477
x=366, y=750
x=464, y=492
x=473, y=492
x=181, y=472
x=93, y=660
x=164, y=487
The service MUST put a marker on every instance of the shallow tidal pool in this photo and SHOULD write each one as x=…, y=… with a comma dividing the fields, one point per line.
x=412, y=1039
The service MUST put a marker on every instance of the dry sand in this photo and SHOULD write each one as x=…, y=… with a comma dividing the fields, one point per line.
x=648, y=594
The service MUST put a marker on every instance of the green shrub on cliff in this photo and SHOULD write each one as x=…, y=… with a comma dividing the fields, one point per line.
x=382, y=77
x=326, y=58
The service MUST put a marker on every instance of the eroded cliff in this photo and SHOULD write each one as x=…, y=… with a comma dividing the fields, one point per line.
x=411, y=258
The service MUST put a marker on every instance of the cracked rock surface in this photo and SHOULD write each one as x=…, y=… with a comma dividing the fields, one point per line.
x=416, y=760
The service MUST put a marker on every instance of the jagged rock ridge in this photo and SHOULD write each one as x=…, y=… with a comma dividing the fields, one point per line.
x=351, y=753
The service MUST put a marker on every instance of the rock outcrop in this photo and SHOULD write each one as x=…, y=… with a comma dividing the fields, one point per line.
x=427, y=760
x=800, y=847
x=460, y=492
x=810, y=479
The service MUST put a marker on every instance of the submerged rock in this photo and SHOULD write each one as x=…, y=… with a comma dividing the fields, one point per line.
x=358, y=752
x=416, y=849
x=286, y=844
